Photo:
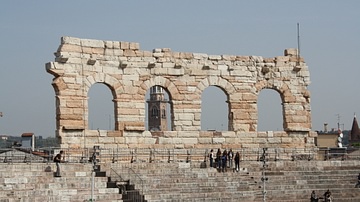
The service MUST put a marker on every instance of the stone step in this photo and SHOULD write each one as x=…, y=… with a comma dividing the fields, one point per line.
x=180, y=182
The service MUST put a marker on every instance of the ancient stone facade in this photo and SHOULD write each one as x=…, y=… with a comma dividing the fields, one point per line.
x=129, y=72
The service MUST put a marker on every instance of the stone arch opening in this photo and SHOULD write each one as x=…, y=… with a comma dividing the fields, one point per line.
x=214, y=109
x=100, y=108
x=227, y=88
x=115, y=87
x=270, y=111
x=158, y=109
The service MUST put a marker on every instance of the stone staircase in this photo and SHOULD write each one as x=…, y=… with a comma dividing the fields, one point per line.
x=22, y=182
x=287, y=181
x=179, y=181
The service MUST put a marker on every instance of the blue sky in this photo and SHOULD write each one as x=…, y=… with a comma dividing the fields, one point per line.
x=329, y=30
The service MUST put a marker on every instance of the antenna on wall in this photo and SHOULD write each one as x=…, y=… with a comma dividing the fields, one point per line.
x=298, y=44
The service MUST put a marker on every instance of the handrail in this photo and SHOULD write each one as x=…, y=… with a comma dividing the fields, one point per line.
x=117, y=174
x=122, y=187
x=151, y=155
x=136, y=176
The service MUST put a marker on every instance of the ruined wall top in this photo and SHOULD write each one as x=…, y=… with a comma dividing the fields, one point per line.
x=120, y=54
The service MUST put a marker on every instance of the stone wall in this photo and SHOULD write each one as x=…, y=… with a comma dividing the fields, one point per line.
x=129, y=72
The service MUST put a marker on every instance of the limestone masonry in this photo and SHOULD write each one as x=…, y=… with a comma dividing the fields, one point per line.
x=129, y=72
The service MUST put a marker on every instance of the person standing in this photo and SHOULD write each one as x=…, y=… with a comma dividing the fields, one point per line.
x=237, y=161
x=230, y=158
x=218, y=158
x=211, y=157
x=59, y=158
x=327, y=195
x=224, y=159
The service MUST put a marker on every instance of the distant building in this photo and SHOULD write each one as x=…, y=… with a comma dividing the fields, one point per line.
x=332, y=139
x=354, y=136
x=157, y=113
x=28, y=141
x=327, y=139
x=4, y=137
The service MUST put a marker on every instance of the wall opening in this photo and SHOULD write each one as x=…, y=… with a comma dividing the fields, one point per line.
x=158, y=110
x=100, y=108
x=270, y=111
x=214, y=109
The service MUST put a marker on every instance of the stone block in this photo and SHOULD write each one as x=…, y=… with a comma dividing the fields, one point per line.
x=80, y=174
x=218, y=140
x=286, y=140
x=291, y=52
x=190, y=141
x=70, y=40
x=70, y=48
x=204, y=140
x=150, y=141
x=176, y=71
x=134, y=46
x=233, y=141
x=228, y=134
x=92, y=43
x=205, y=133
x=214, y=57
x=17, y=180
x=124, y=45
x=129, y=53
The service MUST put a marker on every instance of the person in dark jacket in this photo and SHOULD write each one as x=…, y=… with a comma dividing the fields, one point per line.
x=59, y=158
x=211, y=158
x=218, y=158
x=224, y=159
x=237, y=161
x=314, y=197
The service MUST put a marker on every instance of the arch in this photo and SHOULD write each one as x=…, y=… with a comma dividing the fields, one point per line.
x=275, y=111
x=169, y=86
x=154, y=111
x=170, y=89
x=280, y=87
x=217, y=118
x=226, y=86
x=100, y=116
x=228, y=89
x=114, y=84
x=156, y=106
x=286, y=96
x=116, y=88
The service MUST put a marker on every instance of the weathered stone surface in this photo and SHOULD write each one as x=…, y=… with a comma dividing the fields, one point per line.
x=130, y=72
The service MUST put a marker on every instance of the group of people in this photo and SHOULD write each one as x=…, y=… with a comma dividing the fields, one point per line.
x=224, y=160
x=327, y=197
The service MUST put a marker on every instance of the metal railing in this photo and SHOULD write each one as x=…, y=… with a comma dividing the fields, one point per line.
x=130, y=179
x=43, y=155
x=118, y=180
x=136, y=179
x=149, y=155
